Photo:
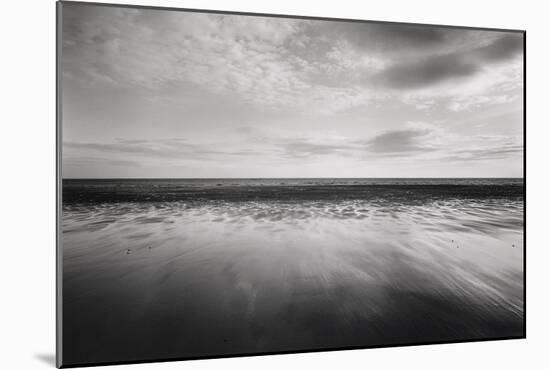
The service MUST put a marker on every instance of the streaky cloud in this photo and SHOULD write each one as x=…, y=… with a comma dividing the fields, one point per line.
x=400, y=141
x=435, y=69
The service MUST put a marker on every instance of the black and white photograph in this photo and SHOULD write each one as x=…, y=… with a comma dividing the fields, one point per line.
x=241, y=184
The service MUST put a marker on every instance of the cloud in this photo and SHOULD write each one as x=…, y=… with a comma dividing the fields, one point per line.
x=302, y=149
x=414, y=36
x=159, y=49
x=404, y=141
x=274, y=63
x=418, y=142
x=427, y=72
x=417, y=138
x=152, y=148
x=384, y=37
x=432, y=70
x=436, y=144
x=504, y=48
x=422, y=140
x=462, y=103
x=167, y=150
x=489, y=153
x=80, y=161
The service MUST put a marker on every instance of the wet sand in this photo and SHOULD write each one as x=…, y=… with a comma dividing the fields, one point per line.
x=249, y=268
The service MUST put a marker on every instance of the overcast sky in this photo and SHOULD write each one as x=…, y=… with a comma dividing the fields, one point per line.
x=151, y=93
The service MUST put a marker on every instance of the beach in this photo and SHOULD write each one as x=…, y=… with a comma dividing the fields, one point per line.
x=190, y=268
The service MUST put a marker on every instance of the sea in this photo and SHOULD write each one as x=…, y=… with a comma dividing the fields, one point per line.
x=187, y=268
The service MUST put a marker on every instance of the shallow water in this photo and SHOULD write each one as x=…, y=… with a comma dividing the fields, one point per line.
x=293, y=267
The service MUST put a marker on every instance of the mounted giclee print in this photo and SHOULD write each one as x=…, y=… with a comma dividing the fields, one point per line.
x=241, y=184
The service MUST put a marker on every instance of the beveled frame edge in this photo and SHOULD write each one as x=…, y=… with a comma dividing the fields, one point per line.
x=59, y=185
x=59, y=190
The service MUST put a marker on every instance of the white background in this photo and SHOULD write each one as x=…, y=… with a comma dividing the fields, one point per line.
x=27, y=206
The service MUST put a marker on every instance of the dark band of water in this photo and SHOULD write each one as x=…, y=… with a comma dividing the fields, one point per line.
x=406, y=190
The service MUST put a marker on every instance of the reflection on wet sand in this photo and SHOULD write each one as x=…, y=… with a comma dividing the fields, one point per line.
x=174, y=279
